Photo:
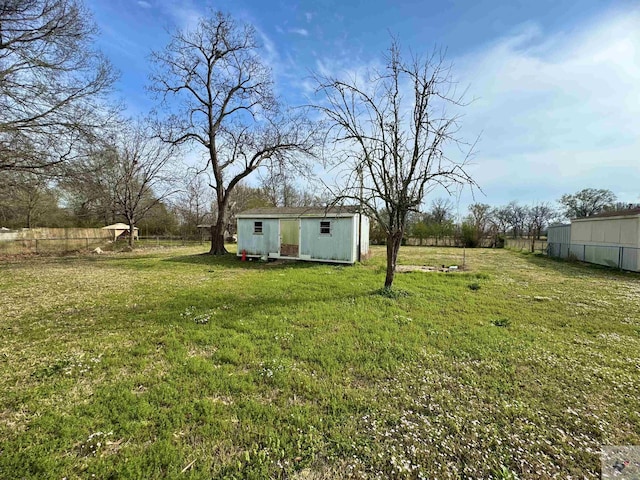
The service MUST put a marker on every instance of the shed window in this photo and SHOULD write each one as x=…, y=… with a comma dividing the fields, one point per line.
x=325, y=228
x=257, y=228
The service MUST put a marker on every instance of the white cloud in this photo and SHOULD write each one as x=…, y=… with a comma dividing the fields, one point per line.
x=308, y=16
x=299, y=31
x=558, y=113
x=144, y=4
x=186, y=14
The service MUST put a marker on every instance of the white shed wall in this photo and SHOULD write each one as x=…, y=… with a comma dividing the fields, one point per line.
x=607, y=231
x=613, y=241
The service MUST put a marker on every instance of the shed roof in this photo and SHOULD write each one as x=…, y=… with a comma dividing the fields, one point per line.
x=631, y=212
x=118, y=226
x=277, y=212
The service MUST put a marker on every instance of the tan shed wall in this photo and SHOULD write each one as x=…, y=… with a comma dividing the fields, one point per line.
x=607, y=231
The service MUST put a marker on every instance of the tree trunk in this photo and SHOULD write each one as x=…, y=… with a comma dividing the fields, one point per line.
x=132, y=230
x=393, y=247
x=217, y=233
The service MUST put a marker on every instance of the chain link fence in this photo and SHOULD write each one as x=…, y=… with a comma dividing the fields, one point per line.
x=624, y=258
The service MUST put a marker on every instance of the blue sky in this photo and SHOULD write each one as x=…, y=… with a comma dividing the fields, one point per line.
x=557, y=84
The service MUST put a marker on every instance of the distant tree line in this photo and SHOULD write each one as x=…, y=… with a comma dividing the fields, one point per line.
x=486, y=225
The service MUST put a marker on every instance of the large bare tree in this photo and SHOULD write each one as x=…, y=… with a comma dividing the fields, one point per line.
x=395, y=135
x=52, y=83
x=143, y=175
x=221, y=94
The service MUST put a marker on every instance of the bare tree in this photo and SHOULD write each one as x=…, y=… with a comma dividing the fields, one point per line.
x=621, y=206
x=244, y=197
x=396, y=133
x=441, y=214
x=480, y=218
x=193, y=201
x=52, y=84
x=27, y=200
x=539, y=216
x=279, y=186
x=89, y=191
x=442, y=210
x=517, y=218
x=222, y=93
x=142, y=176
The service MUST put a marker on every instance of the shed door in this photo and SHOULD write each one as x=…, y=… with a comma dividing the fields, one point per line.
x=289, y=238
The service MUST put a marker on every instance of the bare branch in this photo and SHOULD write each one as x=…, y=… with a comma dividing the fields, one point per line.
x=224, y=96
x=394, y=128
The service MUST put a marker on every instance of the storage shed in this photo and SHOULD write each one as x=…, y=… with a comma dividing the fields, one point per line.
x=610, y=238
x=118, y=229
x=338, y=235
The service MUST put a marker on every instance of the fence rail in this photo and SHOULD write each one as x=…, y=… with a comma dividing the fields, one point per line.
x=615, y=256
x=527, y=244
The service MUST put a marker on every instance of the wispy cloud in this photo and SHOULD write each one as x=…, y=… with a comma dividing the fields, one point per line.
x=143, y=4
x=299, y=31
x=186, y=14
x=308, y=16
x=557, y=111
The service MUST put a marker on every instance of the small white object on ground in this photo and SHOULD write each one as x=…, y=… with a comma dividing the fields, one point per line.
x=97, y=250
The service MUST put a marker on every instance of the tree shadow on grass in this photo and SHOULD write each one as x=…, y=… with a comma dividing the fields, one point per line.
x=579, y=269
x=232, y=261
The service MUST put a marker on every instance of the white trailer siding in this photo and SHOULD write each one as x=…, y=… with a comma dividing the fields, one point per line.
x=608, y=240
x=612, y=231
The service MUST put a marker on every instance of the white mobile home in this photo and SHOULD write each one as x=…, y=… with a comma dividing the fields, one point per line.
x=338, y=235
x=610, y=238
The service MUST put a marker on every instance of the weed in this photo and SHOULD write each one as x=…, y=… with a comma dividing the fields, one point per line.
x=474, y=286
x=92, y=445
x=501, y=322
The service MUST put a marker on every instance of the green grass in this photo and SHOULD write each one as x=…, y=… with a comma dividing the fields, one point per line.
x=172, y=364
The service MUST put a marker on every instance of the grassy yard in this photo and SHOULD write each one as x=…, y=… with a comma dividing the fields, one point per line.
x=172, y=364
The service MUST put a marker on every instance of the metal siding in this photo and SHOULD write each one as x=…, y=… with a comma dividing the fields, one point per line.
x=263, y=244
x=630, y=259
x=580, y=232
x=559, y=234
x=337, y=246
x=364, y=248
x=629, y=232
x=616, y=231
x=602, y=255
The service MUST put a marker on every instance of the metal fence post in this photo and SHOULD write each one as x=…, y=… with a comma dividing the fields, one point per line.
x=584, y=253
x=620, y=256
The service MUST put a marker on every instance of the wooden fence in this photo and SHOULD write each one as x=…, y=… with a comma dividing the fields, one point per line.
x=47, y=240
